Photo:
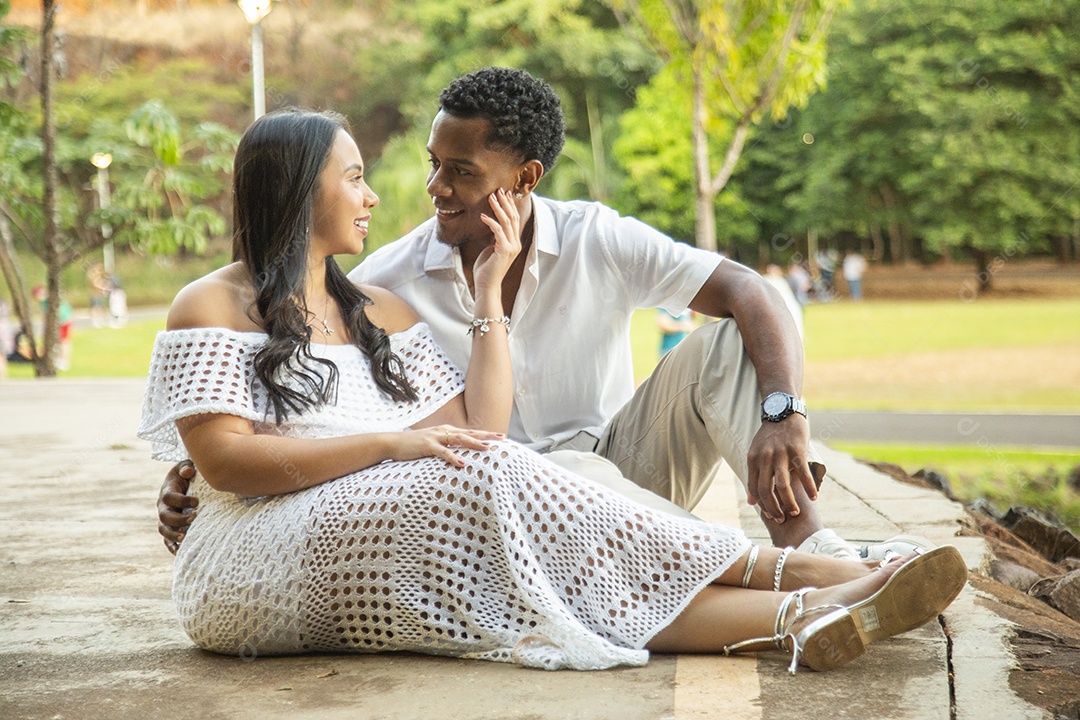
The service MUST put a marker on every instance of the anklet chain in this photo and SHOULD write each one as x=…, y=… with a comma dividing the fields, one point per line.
x=780, y=567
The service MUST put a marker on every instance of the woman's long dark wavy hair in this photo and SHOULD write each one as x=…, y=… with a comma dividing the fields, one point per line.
x=275, y=181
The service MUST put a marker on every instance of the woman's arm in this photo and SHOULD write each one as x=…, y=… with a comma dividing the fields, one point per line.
x=489, y=380
x=488, y=398
x=232, y=458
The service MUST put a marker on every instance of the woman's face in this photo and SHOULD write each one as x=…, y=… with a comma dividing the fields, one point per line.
x=343, y=202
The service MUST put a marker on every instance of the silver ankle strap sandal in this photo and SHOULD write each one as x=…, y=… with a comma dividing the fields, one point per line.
x=825, y=643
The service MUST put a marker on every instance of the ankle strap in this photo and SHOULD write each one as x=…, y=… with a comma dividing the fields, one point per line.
x=780, y=630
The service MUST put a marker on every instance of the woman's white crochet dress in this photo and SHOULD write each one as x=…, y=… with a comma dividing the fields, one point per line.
x=510, y=558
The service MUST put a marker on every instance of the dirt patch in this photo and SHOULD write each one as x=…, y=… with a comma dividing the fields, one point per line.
x=957, y=281
x=1046, y=645
x=1047, y=375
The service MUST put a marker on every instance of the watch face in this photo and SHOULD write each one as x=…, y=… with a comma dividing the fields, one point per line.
x=775, y=404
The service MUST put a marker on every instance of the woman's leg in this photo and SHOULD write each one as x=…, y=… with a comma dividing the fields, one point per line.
x=719, y=615
x=800, y=570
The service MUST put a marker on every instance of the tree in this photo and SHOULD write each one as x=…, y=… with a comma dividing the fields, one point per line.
x=159, y=204
x=655, y=151
x=575, y=45
x=934, y=135
x=13, y=146
x=162, y=213
x=44, y=365
x=737, y=62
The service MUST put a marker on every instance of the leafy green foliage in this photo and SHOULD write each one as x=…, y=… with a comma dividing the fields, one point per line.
x=163, y=212
x=729, y=65
x=575, y=45
x=655, y=152
x=944, y=128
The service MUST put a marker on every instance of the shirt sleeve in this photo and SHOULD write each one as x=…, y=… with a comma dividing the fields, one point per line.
x=656, y=270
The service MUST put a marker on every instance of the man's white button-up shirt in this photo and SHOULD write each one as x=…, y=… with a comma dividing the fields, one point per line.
x=587, y=270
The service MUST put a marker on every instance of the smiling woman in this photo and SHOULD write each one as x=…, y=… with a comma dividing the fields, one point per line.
x=344, y=200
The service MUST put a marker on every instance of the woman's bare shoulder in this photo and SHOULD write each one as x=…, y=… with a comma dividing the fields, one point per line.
x=388, y=311
x=221, y=299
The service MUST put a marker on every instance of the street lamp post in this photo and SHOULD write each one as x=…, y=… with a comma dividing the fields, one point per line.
x=255, y=11
x=102, y=161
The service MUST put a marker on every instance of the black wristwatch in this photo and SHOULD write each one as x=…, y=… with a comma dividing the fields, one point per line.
x=779, y=405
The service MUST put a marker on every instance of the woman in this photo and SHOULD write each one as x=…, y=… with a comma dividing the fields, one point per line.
x=360, y=497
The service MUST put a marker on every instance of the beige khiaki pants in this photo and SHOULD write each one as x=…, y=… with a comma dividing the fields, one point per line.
x=700, y=406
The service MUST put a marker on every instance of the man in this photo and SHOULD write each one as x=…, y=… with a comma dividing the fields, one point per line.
x=854, y=268
x=570, y=294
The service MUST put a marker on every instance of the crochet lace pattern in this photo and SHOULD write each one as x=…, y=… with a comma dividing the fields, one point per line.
x=510, y=558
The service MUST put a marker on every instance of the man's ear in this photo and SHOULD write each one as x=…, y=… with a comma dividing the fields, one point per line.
x=529, y=176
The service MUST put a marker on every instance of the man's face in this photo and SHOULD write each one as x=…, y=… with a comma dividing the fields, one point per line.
x=464, y=172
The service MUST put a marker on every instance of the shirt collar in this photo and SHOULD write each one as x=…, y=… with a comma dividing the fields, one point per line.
x=544, y=234
x=442, y=257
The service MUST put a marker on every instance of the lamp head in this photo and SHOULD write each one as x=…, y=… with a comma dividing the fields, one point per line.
x=254, y=10
x=101, y=160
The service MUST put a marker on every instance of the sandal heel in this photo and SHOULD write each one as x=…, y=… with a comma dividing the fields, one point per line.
x=827, y=643
x=916, y=594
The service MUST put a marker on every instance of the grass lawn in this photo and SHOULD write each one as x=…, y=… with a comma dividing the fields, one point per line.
x=1005, y=476
x=106, y=352
x=990, y=355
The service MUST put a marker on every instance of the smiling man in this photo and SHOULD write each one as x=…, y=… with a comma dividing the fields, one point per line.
x=730, y=391
x=582, y=272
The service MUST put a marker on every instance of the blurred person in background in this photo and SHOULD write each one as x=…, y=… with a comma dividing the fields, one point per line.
x=853, y=270
x=673, y=328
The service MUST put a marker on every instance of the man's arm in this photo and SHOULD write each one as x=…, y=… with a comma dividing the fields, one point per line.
x=173, y=500
x=778, y=453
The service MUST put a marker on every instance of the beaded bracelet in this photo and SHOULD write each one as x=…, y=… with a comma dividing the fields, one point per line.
x=482, y=323
x=780, y=567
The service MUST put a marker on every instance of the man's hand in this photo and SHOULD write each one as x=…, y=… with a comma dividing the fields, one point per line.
x=776, y=461
x=173, y=500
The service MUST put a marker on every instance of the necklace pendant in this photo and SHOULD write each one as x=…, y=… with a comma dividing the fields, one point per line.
x=326, y=328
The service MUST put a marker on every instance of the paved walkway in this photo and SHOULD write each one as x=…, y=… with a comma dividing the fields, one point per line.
x=87, y=629
x=987, y=430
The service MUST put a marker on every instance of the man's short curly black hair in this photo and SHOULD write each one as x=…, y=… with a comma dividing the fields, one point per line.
x=524, y=112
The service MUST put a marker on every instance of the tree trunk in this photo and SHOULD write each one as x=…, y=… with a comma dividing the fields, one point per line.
x=982, y=268
x=1060, y=244
x=705, y=226
x=598, y=183
x=9, y=264
x=899, y=241
x=45, y=366
x=877, y=243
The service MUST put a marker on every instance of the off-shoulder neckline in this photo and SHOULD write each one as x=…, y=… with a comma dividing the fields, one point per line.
x=245, y=334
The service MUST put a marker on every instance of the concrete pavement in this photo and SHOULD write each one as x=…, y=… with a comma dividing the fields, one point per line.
x=87, y=629
x=987, y=430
